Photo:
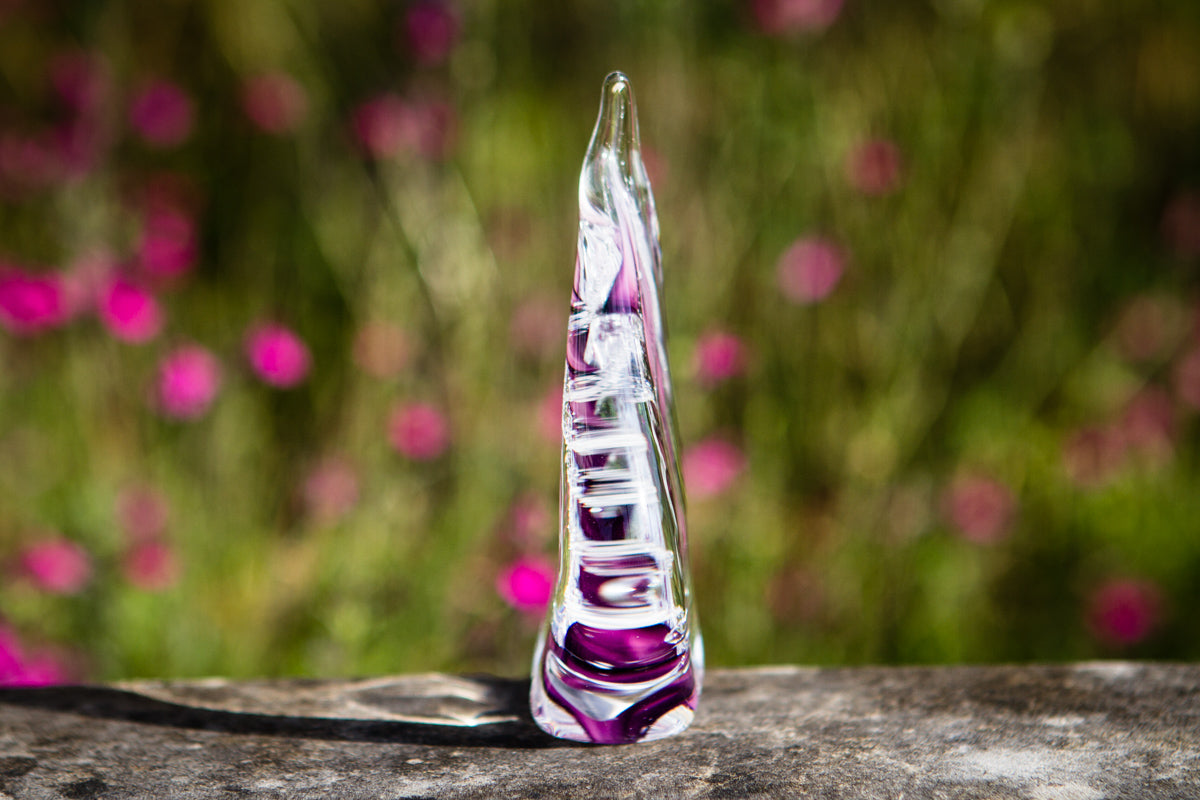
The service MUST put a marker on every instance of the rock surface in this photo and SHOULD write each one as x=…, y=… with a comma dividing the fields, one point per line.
x=1072, y=732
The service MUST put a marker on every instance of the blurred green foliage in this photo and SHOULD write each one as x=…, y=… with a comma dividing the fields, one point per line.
x=981, y=445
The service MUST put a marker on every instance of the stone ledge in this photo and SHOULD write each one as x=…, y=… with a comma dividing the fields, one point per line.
x=1071, y=732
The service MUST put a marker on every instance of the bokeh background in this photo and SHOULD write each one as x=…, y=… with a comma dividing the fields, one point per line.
x=283, y=294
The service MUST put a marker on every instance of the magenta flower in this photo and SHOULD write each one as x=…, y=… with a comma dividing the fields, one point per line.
x=167, y=247
x=188, y=380
x=277, y=355
x=11, y=654
x=17, y=668
x=785, y=17
x=142, y=512
x=58, y=566
x=1124, y=611
x=527, y=584
x=874, y=167
x=431, y=30
x=384, y=126
x=418, y=431
x=151, y=566
x=130, y=312
x=1181, y=224
x=718, y=357
x=981, y=509
x=1187, y=379
x=29, y=303
x=330, y=490
x=44, y=669
x=161, y=113
x=711, y=467
x=810, y=269
x=12, y=658
x=381, y=349
x=274, y=102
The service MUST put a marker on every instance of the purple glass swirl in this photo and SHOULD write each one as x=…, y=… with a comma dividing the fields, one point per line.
x=620, y=657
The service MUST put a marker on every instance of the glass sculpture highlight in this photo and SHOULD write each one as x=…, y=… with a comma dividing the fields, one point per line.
x=620, y=657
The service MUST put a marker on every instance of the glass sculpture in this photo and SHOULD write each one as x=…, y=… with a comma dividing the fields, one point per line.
x=619, y=658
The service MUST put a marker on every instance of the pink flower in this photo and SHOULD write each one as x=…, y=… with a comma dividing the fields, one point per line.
x=167, y=247
x=529, y=521
x=78, y=146
x=277, y=355
x=188, y=380
x=1181, y=224
x=274, y=102
x=1187, y=379
x=1124, y=611
x=85, y=281
x=151, y=565
x=656, y=165
x=980, y=508
x=161, y=113
x=384, y=126
x=431, y=30
x=711, y=466
x=11, y=654
x=718, y=357
x=130, y=312
x=142, y=513
x=80, y=80
x=381, y=349
x=874, y=167
x=784, y=17
x=29, y=161
x=527, y=584
x=436, y=128
x=30, y=303
x=42, y=669
x=810, y=270
x=1148, y=326
x=418, y=431
x=17, y=668
x=550, y=415
x=1147, y=425
x=1093, y=455
x=538, y=327
x=59, y=566
x=330, y=490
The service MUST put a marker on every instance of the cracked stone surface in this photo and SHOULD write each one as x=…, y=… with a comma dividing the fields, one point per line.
x=1069, y=732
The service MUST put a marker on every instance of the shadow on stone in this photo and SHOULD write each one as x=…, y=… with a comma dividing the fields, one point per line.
x=494, y=713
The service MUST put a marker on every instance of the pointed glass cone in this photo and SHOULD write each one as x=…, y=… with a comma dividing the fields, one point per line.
x=619, y=658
